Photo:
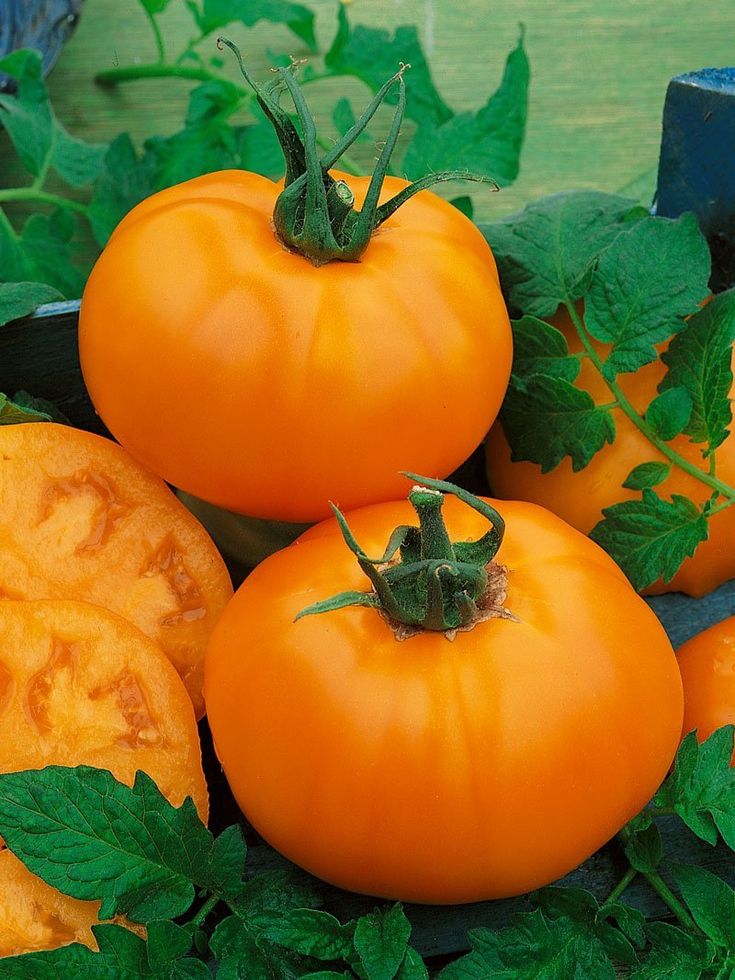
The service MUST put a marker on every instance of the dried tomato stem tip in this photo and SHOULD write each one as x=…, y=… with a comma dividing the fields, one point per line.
x=314, y=214
x=423, y=579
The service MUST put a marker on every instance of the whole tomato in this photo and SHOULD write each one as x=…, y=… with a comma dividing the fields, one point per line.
x=480, y=758
x=579, y=498
x=237, y=340
x=707, y=664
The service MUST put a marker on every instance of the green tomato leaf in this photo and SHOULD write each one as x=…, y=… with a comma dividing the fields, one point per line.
x=539, y=348
x=711, y=902
x=701, y=789
x=227, y=860
x=46, y=246
x=464, y=204
x=122, y=956
x=698, y=359
x=18, y=299
x=647, y=475
x=298, y=18
x=38, y=137
x=675, y=954
x=40, y=407
x=344, y=118
x=381, y=941
x=647, y=281
x=242, y=954
x=313, y=933
x=76, y=162
x=13, y=412
x=643, y=847
x=651, y=537
x=545, y=419
x=124, y=182
x=669, y=413
x=373, y=55
x=166, y=942
x=258, y=147
x=582, y=908
x=42, y=253
x=545, y=252
x=265, y=899
x=533, y=948
x=329, y=975
x=413, y=967
x=486, y=142
x=26, y=116
x=629, y=921
x=91, y=837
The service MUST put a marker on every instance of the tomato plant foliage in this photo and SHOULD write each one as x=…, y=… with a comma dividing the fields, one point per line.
x=90, y=836
x=643, y=282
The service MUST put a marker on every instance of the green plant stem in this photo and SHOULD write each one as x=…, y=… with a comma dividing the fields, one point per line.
x=131, y=73
x=665, y=893
x=204, y=911
x=640, y=423
x=620, y=887
x=157, y=35
x=42, y=197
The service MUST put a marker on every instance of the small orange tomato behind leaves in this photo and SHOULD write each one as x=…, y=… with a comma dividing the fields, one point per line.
x=80, y=519
x=707, y=664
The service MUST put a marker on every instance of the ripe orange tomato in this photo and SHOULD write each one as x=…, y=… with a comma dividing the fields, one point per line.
x=579, y=498
x=707, y=664
x=81, y=519
x=249, y=377
x=436, y=771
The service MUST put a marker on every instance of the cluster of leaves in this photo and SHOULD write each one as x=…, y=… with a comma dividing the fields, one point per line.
x=107, y=180
x=642, y=281
x=91, y=837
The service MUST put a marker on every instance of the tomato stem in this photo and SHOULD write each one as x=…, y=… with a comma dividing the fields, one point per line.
x=207, y=907
x=708, y=478
x=621, y=886
x=665, y=893
x=434, y=584
x=42, y=197
x=314, y=214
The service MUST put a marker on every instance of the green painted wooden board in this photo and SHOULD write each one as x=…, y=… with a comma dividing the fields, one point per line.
x=599, y=74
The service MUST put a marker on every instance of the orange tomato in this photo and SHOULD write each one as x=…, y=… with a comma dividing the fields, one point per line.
x=579, y=498
x=249, y=377
x=81, y=519
x=707, y=664
x=436, y=771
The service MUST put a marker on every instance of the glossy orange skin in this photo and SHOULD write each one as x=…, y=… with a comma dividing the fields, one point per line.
x=580, y=497
x=707, y=664
x=234, y=368
x=436, y=771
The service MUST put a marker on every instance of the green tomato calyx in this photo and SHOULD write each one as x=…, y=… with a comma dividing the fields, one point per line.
x=314, y=214
x=423, y=580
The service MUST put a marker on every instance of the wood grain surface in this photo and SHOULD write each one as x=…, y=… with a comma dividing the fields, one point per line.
x=599, y=75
